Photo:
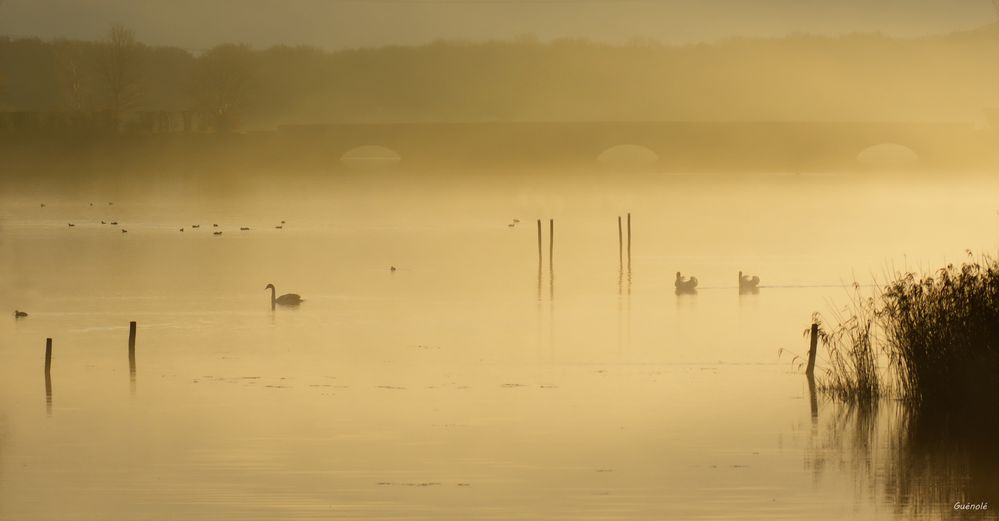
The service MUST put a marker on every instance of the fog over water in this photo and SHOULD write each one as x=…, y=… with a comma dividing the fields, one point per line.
x=498, y=259
x=459, y=385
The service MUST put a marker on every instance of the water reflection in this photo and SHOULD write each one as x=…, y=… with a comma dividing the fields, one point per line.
x=921, y=462
x=48, y=393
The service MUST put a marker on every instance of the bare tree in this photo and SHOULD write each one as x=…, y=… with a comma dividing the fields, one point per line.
x=119, y=69
x=222, y=82
x=74, y=77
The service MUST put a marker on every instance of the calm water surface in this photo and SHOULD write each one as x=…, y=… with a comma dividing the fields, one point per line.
x=467, y=384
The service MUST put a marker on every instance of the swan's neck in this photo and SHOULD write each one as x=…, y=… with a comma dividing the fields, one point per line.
x=273, y=295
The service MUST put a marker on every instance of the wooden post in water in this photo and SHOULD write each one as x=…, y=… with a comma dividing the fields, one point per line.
x=551, y=243
x=629, y=240
x=620, y=243
x=813, y=344
x=131, y=349
x=48, y=376
x=48, y=355
x=539, y=243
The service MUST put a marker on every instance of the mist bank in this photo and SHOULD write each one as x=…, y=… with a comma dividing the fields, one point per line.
x=858, y=77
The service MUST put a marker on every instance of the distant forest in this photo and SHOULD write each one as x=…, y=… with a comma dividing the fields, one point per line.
x=799, y=77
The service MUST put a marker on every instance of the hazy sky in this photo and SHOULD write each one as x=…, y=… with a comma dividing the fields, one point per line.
x=197, y=24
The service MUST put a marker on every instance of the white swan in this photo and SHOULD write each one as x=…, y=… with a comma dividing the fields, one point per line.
x=288, y=299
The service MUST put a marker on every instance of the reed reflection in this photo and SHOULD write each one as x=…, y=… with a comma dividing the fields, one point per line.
x=922, y=462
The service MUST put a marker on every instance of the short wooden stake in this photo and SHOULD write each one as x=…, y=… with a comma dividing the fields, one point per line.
x=131, y=348
x=48, y=355
x=812, y=347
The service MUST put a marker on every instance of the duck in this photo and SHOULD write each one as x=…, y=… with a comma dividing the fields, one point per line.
x=216, y=233
x=288, y=299
x=215, y=226
x=42, y=205
x=279, y=227
x=104, y=222
x=747, y=283
x=244, y=229
x=124, y=230
x=114, y=223
x=181, y=229
x=71, y=225
x=685, y=285
x=393, y=269
x=195, y=226
x=19, y=314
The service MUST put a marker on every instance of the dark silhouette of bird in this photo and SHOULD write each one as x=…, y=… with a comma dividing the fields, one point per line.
x=195, y=226
x=685, y=285
x=279, y=227
x=114, y=223
x=288, y=299
x=216, y=233
x=42, y=205
x=124, y=230
x=747, y=283
x=71, y=225
x=215, y=226
x=244, y=229
x=103, y=222
x=181, y=229
x=19, y=314
x=392, y=269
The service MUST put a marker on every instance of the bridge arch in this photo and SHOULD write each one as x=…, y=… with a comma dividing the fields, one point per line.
x=628, y=156
x=370, y=157
x=887, y=155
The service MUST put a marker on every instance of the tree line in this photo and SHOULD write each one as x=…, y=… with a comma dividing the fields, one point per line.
x=798, y=77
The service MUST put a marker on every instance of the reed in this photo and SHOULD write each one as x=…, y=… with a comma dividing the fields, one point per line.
x=929, y=340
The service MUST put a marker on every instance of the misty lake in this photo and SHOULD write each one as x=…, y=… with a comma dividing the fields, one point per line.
x=468, y=383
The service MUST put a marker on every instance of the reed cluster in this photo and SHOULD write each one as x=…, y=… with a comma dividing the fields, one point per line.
x=929, y=340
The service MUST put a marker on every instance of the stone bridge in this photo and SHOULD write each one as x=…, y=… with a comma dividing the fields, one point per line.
x=677, y=144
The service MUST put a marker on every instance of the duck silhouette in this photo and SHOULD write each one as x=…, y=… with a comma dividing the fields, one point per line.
x=19, y=314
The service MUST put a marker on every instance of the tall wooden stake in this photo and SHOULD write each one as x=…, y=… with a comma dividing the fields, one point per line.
x=629, y=241
x=539, y=242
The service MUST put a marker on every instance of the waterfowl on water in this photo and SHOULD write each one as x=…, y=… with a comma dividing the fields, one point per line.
x=42, y=205
x=279, y=227
x=103, y=222
x=71, y=225
x=392, y=268
x=217, y=233
x=124, y=230
x=747, y=283
x=215, y=226
x=685, y=285
x=244, y=229
x=181, y=229
x=19, y=314
x=195, y=226
x=288, y=299
x=114, y=223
